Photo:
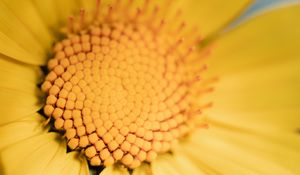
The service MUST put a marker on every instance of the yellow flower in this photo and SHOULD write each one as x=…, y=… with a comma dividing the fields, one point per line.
x=127, y=87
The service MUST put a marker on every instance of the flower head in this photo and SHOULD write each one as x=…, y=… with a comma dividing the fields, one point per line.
x=124, y=87
x=129, y=86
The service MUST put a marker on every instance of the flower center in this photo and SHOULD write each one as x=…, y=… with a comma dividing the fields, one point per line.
x=121, y=91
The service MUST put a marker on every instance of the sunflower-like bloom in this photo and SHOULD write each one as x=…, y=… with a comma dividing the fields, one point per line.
x=148, y=88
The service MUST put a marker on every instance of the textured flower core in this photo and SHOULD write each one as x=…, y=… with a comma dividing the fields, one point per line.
x=121, y=91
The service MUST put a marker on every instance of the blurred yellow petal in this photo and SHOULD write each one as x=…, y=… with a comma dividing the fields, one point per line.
x=212, y=15
x=275, y=85
x=186, y=165
x=266, y=99
x=18, y=91
x=17, y=41
x=76, y=165
x=41, y=154
x=14, y=75
x=114, y=170
x=208, y=16
x=234, y=152
x=16, y=104
x=24, y=128
x=31, y=127
x=55, y=13
x=144, y=169
x=26, y=12
x=164, y=164
x=88, y=5
x=48, y=12
x=273, y=37
x=84, y=169
x=66, y=8
x=174, y=164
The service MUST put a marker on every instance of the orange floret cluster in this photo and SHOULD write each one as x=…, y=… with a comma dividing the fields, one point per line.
x=121, y=92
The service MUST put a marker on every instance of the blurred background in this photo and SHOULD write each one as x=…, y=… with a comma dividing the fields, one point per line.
x=260, y=5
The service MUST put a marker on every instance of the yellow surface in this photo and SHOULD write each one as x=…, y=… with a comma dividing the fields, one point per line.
x=41, y=154
x=230, y=150
x=213, y=15
x=27, y=13
x=265, y=40
x=29, y=125
x=114, y=170
x=16, y=40
x=256, y=103
x=144, y=169
x=19, y=95
x=258, y=65
x=175, y=164
x=255, y=116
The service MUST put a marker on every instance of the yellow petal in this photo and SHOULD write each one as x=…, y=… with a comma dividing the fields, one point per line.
x=28, y=15
x=55, y=13
x=66, y=163
x=88, y=5
x=48, y=12
x=273, y=37
x=186, y=165
x=164, y=164
x=84, y=169
x=208, y=16
x=114, y=170
x=144, y=169
x=258, y=65
x=234, y=152
x=67, y=8
x=174, y=164
x=20, y=130
x=15, y=104
x=265, y=99
x=14, y=75
x=19, y=94
x=41, y=154
x=211, y=16
x=17, y=41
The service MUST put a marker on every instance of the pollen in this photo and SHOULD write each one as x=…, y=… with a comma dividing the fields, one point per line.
x=124, y=90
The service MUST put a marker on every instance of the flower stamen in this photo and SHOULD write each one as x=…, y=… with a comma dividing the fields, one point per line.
x=82, y=18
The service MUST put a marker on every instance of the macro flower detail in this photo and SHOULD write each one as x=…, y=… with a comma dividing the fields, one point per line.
x=125, y=89
x=114, y=87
